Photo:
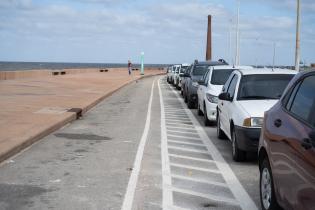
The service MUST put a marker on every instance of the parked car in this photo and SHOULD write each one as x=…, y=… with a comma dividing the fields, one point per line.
x=245, y=97
x=183, y=79
x=210, y=87
x=178, y=77
x=169, y=73
x=198, y=70
x=176, y=73
x=287, y=148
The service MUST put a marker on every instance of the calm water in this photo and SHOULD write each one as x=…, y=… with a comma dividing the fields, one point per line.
x=14, y=66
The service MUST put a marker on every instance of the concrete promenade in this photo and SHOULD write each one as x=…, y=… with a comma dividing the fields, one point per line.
x=31, y=108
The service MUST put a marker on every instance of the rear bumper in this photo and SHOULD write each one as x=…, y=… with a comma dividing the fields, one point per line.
x=247, y=138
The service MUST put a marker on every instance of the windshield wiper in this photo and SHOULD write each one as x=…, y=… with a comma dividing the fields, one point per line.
x=258, y=97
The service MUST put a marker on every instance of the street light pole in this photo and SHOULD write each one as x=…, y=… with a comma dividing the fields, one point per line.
x=237, y=55
x=274, y=55
x=297, y=48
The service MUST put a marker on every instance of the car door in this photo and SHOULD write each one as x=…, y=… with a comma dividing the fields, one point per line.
x=291, y=148
x=202, y=89
x=225, y=106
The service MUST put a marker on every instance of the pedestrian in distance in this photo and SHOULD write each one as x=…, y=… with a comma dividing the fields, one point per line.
x=129, y=67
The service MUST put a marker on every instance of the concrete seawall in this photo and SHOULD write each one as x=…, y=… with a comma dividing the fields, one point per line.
x=34, y=106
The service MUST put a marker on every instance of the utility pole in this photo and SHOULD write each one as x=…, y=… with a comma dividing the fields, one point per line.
x=230, y=42
x=237, y=54
x=297, y=47
x=274, y=55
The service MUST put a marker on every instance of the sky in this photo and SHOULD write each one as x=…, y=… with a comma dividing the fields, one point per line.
x=167, y=31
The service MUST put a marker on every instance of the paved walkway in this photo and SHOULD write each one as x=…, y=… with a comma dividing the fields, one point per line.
x=33, y=108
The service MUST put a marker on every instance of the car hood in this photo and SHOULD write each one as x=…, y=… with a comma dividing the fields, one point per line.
x=257, y=108
x=214, y=90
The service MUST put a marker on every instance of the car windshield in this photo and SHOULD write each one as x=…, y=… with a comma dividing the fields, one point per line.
x=263, y=86
x=220, y=76
x=183, y=69
x=200, y=70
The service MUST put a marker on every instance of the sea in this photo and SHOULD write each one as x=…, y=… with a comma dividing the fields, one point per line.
x=18, y=66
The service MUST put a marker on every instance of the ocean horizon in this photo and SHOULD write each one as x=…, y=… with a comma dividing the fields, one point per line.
x=19, y=66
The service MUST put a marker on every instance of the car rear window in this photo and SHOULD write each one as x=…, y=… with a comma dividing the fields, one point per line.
x=220, y=76
x=200, y=70
x=263, y=86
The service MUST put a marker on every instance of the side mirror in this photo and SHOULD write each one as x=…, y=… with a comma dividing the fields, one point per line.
x=225, y=97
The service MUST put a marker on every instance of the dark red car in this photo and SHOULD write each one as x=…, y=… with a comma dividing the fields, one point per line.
x=287, y=148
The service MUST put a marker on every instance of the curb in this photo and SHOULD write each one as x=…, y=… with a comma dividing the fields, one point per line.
x=31, y=140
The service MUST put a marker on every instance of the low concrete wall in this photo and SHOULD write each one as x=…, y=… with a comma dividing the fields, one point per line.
x=13, y=75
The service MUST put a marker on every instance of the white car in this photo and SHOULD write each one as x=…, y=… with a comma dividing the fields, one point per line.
x=245, y=97
x=170, y=74
x=178, y=77
x=176, y=74
x=209, y=89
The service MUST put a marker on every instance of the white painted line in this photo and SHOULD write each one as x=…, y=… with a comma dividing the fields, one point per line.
x=184, y=137
x=176, y=208
x=191, y=158
x=177, y=117
x=189, y=150
x=195, y=168
x=176, y=131
x=167, y=198
x=132, y=184
x=180, y=124
x=200, y=181
x=186, y=143
x=234, y=184
x=208, y=196
x=183, y=121
x=182, y=128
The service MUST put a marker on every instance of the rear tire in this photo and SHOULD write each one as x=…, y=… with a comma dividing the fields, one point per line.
x=237, y=154
x=267, y=193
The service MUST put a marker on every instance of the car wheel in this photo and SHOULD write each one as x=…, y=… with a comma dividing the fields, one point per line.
x=185, y=97
x=267, y=192
x=220, y=133
x=199, y=110
x=182, y=92
x=237, y=154
x=190, y=104
x=205, y=116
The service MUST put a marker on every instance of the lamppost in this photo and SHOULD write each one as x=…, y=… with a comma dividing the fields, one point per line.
x=237, y=54
x=142, y=63
x=297, y=46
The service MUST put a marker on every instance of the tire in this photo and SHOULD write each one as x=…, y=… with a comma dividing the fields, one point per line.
x=237, y=154
x=266, y=187
x=185, y=98
x=199, y=110
x=190, y=104
x=220, y=133
x=205, y=116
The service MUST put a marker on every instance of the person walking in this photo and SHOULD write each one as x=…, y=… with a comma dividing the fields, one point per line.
x=129, y=67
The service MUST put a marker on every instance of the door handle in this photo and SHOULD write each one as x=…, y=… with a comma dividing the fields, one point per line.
x=306, y=144
x=278, y=123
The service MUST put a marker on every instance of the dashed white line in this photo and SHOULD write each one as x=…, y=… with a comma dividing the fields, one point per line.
x=189, y=150
x=195, y=168
x=199, y=180
x=186, y=143
x=208, y=196
x=184, y=137
x=191, y=158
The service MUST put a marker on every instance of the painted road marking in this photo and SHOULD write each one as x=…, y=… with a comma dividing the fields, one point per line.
x=234, y=184
x=132, y=184
x=182, y=161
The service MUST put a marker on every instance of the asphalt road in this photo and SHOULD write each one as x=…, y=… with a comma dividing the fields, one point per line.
x=141, y=148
